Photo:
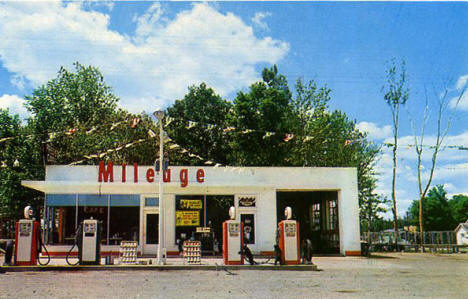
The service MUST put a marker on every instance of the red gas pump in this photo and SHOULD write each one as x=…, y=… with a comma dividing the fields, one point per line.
x=28, y=242
x=289, y=239
x=233, y=240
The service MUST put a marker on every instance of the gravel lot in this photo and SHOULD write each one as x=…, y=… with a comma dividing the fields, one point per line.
x=387, y=276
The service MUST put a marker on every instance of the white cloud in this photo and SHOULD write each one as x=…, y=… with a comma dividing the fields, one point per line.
x=462, y=81
x=461, y=100
x=374, y=131
x=15, y=104
x=148, y=69
x=258, y=20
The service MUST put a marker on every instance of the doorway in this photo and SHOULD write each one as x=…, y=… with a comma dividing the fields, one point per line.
x=317, y=214
x=150, y=232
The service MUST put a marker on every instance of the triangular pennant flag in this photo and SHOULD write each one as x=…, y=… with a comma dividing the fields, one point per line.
x=209, y=162
x=173, y=146
x=307, y=138
x=288, y=137
x=134, y=123
x=4, y=164
x=114, y=125
x=348, y=142
x=268, y=134
x=191, y=124
x=247, y=131
x=129, y=145
x=229, y=129
x=183, y=151
x=168, y=120
x=102, y=155
x=217, y=165
x=210, y=126
x=91, y=130
x=71, y=131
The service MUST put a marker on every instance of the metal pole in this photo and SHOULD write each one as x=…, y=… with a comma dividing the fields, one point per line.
x=161, y=193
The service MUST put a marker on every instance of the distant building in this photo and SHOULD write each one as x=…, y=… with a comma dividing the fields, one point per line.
x=462, y=233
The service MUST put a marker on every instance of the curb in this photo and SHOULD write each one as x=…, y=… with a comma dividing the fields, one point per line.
x=158, y=268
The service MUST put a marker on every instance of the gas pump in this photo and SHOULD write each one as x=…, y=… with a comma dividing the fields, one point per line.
x=89, y=242
x=28, y=240
x=233, y=240
x=289, y=239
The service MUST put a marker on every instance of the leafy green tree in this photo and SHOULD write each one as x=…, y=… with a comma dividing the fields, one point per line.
x=202, y=105
x=264, y=108
x=19, y=160
x=459, y=208
x=74, y=115
x=438, y=216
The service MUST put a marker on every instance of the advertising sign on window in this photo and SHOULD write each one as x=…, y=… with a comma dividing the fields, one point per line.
x=191, y=204
x=187, y=218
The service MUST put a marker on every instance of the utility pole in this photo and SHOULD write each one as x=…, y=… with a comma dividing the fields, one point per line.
x=160, y=116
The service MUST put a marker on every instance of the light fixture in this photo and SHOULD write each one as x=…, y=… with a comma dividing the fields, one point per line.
x=16, y=163
x=159, y=114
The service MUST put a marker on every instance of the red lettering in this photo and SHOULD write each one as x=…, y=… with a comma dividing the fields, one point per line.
x=150, y=175
x=124, y=173
x=106, y=173
x=135, y=172
x=167, y=176
x=200, y=175
x=183, y=177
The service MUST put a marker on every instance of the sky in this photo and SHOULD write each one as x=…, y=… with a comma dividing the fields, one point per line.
x=150, y=52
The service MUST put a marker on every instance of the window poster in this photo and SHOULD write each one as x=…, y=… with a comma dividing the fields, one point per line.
x=187, y=218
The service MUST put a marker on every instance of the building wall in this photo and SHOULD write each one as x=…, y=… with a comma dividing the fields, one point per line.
x=263, y=182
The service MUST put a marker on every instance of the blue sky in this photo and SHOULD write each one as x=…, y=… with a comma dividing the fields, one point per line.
x=149, y=52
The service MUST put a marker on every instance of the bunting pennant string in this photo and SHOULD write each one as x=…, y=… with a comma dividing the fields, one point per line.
x=288, y=137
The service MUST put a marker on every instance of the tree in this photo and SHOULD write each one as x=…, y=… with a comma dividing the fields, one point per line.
x=459, y=208
x=438, y=216
x=19, y=160
x=74, y=115
x=395, y=95
x=264, y=108
x=202, y=105
x=419, y=146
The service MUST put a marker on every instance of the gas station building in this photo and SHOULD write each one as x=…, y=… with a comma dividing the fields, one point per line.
x=196, y=199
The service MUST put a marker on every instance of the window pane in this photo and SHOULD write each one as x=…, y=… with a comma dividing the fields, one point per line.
x=124, y=224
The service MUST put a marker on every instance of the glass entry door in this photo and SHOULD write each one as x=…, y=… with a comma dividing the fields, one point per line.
x=151, y=233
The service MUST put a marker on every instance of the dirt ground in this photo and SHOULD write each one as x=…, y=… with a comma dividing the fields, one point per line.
x=396, y=275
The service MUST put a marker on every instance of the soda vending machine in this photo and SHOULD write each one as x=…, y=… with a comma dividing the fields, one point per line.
x=89, y=245
x=289, y=241
x=233, y=240
x=27, y=242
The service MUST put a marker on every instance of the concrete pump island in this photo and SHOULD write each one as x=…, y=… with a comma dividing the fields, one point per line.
x=110, y=216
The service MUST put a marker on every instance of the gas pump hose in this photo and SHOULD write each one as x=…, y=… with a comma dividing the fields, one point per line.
x=48, y=256
x=71, y=249
x=68, y=255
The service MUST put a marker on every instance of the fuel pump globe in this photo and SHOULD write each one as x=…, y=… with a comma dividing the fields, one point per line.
x=288, y=213
x=232, y=213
